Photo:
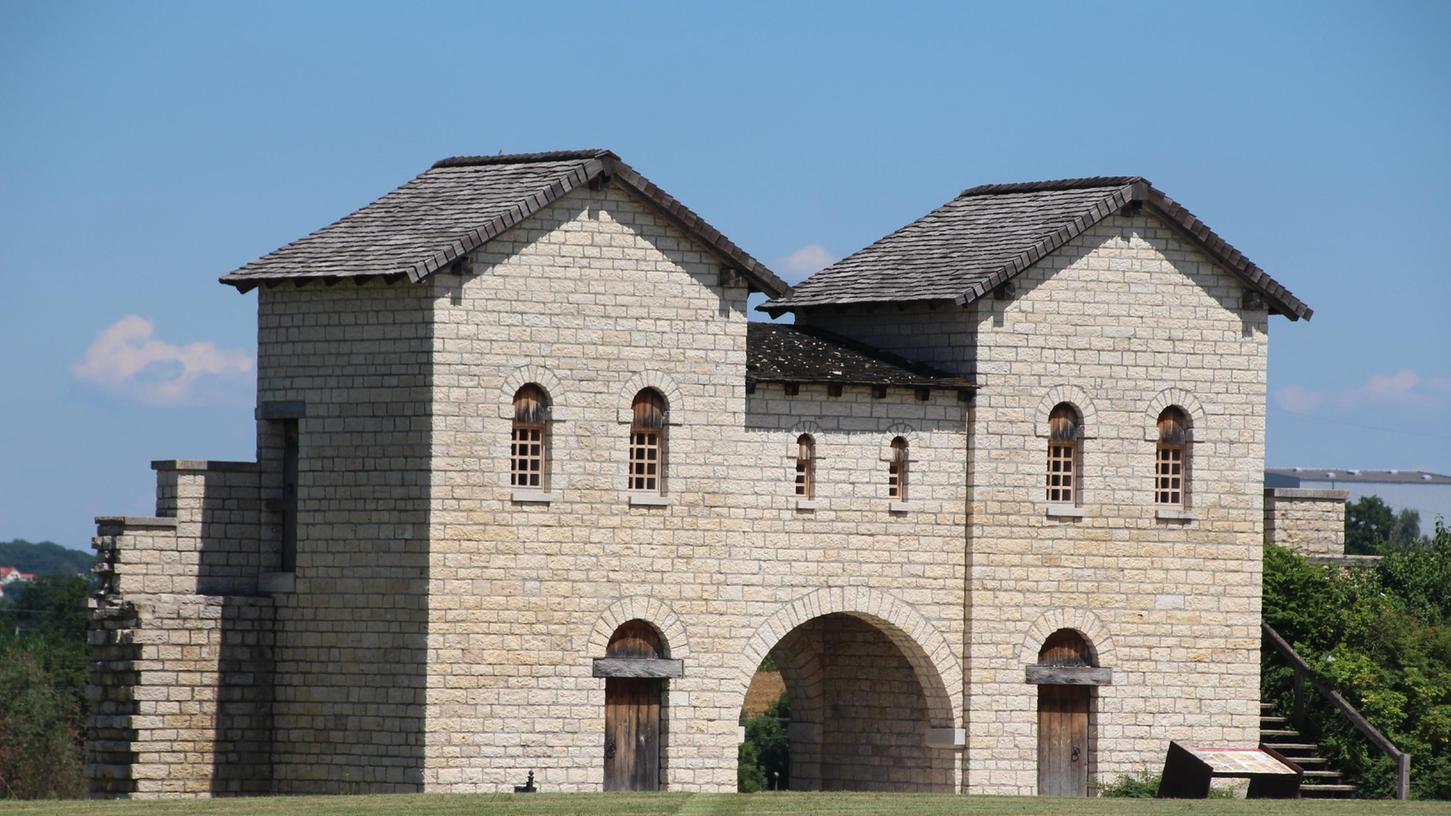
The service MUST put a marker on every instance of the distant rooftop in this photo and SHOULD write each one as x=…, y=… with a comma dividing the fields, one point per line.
x=1357, y=475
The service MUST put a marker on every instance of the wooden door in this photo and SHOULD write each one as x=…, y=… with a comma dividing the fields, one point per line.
x=632, y=734
x=632, y=714
x=1063, y=740
x=1063, y=719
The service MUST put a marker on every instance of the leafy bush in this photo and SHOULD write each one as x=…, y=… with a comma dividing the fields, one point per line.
x=1142, y=785
x=1381, y=636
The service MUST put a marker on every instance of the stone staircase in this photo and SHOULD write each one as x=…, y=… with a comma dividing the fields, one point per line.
x=1320, y=781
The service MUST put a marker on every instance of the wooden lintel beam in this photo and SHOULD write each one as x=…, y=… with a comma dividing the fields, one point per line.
x=1068, y=676
x=648, y=667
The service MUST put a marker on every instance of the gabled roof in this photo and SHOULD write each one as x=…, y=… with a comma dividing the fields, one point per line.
x=462, y=203
x=989, y=234
x=781, y=352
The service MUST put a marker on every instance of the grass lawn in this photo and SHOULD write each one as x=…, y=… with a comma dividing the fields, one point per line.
x=685, y=804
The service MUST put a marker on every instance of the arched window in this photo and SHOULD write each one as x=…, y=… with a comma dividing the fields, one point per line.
x=529, y=444
x=897, y=470
x=647, y=442
x=805, y=466
x=1171, y=458
x=1065, y=428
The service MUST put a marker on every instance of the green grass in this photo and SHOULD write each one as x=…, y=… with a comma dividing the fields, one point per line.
x=684, y=804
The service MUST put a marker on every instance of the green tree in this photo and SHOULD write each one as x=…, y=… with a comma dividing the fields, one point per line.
x=1369, y=523
x=44, y=557
x=43, y=687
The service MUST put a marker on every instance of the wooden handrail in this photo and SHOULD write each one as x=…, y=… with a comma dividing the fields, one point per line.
x=1302, y=673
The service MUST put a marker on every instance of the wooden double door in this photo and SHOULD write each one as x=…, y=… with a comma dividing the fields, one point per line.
x=632, y=714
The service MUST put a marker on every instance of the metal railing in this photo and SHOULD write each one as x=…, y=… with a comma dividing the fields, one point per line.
x=1303, y=672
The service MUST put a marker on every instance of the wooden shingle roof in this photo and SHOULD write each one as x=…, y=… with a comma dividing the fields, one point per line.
x=458, y=205
x=989, y=234
x=786, y=353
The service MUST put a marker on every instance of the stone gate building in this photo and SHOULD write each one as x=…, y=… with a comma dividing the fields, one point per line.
x=532, y=494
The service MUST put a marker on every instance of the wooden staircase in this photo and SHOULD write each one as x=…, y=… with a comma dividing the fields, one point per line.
x=1320, y=780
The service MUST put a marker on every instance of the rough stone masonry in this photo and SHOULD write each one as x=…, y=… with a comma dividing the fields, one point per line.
x=380, y=602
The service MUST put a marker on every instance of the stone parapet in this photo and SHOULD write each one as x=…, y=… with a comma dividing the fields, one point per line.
x=1308, y=521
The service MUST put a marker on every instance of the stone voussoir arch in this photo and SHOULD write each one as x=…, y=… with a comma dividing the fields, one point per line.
x=651, y=610
x=540, y=376
x=1173, y=395
x=794, y=433
x=932, y=659
x=660, y=381
x=1073, y=395
x=1081, y=621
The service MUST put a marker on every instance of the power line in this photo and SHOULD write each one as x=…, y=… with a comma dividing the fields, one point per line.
x=1362, y=425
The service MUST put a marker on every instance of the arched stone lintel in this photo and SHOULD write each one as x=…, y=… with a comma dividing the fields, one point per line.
x=651, y=610
x=1073, y=395
x=1173, y=395
x=805, y=426
x=660, y=381
x=1081, y=621
x=541, y=376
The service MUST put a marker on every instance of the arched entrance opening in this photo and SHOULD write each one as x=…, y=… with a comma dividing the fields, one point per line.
x=866, y=708
x=636, y=668
x=1066, y=675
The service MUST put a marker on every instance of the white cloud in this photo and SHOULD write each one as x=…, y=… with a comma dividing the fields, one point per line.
x=128, y=358
x=803, y=263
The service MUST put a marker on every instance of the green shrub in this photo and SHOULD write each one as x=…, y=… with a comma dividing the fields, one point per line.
x=764, y=759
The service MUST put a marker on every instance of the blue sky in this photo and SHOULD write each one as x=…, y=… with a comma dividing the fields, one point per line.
x=148, y=148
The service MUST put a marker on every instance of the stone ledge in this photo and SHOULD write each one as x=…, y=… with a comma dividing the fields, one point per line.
x=137, y=522
x=202, y=465
x=805, y=504
x=1308, y=494
x=648, y=500
x=1065, y=511
x=1167, y=514
x=531, y=497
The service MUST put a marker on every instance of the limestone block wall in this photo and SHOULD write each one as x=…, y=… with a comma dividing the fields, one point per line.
x=1122, y=321
x=219, y=524
x=1310, y=522
x=594, y=299
x=351, y=625
x=181, y=690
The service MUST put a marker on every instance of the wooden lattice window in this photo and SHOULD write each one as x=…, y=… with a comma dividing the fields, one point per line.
x=1064, y=430
x=805, y=466
x=529, y=444
x=897, y=470
x=647, y=442
x=1171, y=458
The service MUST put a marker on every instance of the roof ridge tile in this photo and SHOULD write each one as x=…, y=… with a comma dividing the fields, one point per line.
x=522, y=158
x=1082, y=183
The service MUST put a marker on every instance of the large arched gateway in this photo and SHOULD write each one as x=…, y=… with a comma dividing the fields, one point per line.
x=869, y=706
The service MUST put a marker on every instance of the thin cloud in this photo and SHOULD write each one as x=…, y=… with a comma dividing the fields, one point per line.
x=128, y=358
x=803, y=263
x=1404, y=388
x=1298, y=400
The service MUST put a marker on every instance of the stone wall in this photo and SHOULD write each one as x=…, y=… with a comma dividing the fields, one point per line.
x=353, y=362
x=1120, y=322
x=180, y=681
x=1310, y=522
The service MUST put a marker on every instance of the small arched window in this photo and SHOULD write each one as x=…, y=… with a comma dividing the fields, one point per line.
x=1065, y=428
x=897, y=470
x=1171, y=458
x=647, y=442
x=805, y=466
x=529, y=444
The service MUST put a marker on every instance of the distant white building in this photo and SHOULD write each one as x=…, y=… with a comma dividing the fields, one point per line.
x=1427, y=493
